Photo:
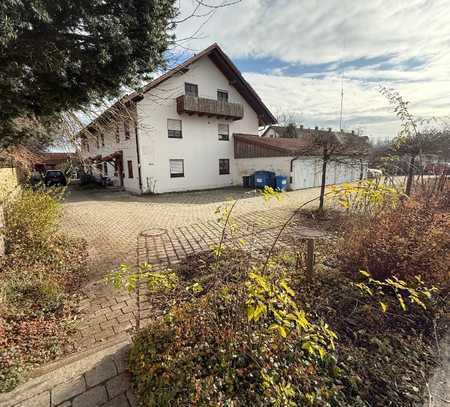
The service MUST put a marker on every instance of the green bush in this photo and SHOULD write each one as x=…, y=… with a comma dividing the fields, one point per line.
x=38, y=279
x=31, y=219
x=239, y=340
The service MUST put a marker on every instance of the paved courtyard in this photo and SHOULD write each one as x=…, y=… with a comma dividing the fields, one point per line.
x=111, y=221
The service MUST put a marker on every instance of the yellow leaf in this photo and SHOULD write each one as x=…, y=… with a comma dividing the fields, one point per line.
x=383, y=306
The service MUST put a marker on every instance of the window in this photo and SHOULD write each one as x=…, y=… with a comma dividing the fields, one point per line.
x=224, y=166
x=222, y=95
x=105, y=168
x=87, y=146
x=117, y=134
x=176, y=168
x=126, y=128
x=97, y=141
x=174, y=128
x=116, y=168
x=191, y=89
x=130, y=169
x=102, y=137
x=224, y=131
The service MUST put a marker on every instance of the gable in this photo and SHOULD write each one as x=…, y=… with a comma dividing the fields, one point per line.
x=229, y=71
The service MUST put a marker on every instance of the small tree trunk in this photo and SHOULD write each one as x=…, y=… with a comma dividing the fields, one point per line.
x=324, y=179
x=409, y=181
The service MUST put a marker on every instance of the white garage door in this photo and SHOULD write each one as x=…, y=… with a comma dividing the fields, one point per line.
x=307, y=173
x=304, y=174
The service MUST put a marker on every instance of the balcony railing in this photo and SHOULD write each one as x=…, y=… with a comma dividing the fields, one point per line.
x=209, y=107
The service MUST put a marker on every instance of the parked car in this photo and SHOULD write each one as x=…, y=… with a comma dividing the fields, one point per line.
x=55, y=177
x=437, y=169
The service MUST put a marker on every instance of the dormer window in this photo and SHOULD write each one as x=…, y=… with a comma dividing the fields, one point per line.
x=191, y=89
x=222, y=95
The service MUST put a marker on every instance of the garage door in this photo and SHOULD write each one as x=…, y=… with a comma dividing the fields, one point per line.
x=307, y=173
x=304, y=174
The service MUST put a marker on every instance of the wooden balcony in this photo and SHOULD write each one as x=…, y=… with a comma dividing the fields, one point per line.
x=209, y=107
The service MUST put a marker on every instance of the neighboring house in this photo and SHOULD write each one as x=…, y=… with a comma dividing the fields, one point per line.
x=55, y=161
x=295, y=158
x=277, y=131
x=176, y=134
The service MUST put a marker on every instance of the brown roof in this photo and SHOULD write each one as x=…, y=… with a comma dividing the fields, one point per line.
x=279, y=146
x=58, y=156
x=226, y=66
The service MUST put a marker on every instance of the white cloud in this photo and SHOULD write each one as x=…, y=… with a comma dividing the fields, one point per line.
x=336, y=31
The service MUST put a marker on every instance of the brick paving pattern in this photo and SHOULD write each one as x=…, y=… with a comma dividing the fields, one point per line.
x=112, y=221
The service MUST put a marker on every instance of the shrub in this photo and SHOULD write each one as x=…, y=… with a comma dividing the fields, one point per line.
x=237, y=342
x=406, y=241
x=37, y=301
x=31, y=220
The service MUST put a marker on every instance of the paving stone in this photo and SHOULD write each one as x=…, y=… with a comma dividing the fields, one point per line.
x=118, y=385
x=102, y=372
x=65, y=404
x=66, y=391
x=92, y=398
x=120, y=401
x=132, y=398
x=41, y=400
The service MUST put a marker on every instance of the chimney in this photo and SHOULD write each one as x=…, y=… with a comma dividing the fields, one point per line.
x=329, y=129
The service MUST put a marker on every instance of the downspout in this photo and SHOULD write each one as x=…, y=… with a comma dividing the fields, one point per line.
x=138, y=157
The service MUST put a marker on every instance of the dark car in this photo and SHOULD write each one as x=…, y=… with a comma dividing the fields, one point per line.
x=55, y=177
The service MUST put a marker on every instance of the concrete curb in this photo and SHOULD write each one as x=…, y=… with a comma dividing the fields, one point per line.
x=46, y=378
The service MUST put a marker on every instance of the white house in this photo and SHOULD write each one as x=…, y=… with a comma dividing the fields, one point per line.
x=176, y=134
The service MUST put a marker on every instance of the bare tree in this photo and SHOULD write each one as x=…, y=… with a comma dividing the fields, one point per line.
x=415, y=137
x=333, y=146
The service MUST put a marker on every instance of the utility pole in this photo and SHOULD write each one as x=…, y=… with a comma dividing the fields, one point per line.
x=342, y=101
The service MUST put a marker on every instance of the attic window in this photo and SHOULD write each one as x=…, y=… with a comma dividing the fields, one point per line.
x=222, y=95
x=191, y=89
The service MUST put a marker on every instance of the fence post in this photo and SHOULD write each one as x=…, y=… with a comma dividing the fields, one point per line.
x=310, y=258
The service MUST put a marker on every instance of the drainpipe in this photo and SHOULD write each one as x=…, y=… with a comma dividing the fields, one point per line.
x=138, y=157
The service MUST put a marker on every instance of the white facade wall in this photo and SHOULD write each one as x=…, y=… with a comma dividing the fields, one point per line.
x=199, y=147
x=247, y=166
x=111, y=146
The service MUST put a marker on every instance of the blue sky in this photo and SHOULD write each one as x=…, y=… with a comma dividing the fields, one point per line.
x=296, y=54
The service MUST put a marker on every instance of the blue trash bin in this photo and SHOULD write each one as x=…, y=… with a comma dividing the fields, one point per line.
x=264, y=179
x=280, y=183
